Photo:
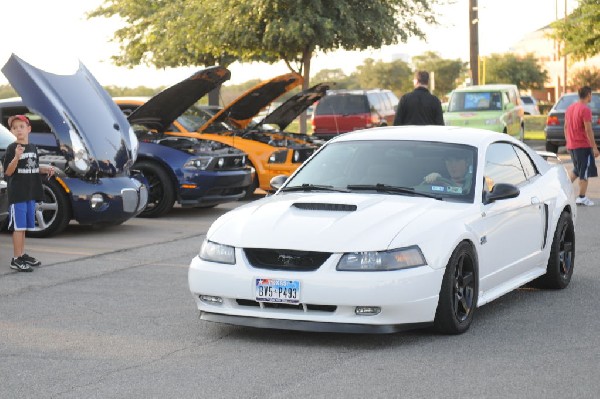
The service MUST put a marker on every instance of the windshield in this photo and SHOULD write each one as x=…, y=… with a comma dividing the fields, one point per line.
x=196, y=116
x=475, y=101
x=446, y=171
x=568, y=99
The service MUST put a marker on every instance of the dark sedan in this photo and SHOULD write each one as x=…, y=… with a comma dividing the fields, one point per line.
x=555, y=123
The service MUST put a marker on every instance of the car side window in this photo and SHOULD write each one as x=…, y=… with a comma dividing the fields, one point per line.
x=528, y=165
x=502, y=165
x=375, y=102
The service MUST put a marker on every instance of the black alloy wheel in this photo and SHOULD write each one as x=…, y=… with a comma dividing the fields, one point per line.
x=459, y=292
x=161, y=193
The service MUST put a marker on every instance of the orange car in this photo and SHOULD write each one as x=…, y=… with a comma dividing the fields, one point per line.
x=270, y=152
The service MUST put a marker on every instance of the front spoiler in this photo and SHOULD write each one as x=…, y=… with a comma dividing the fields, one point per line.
x=300, y=325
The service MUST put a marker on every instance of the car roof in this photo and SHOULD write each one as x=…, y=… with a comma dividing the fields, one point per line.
x=498, y=86
x=356, y=91
x=445, y=134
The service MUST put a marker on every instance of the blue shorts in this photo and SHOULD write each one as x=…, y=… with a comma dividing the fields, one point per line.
x=22, y=216
x=584, y=163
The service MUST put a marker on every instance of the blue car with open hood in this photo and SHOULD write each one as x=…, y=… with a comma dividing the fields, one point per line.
x=78, y=129
x=193, y=171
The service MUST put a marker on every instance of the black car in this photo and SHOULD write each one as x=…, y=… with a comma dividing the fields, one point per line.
x=555, y=123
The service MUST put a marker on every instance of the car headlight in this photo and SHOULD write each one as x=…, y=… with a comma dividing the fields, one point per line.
x=198, y=163
x=135, y=144
x=402, y=258
x=492, y=121
x=278, y=156
x=219, y=253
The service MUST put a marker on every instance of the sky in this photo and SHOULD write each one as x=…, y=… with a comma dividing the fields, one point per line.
x=56, y=35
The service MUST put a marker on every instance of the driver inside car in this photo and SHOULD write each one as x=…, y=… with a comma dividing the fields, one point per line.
x=459, y=171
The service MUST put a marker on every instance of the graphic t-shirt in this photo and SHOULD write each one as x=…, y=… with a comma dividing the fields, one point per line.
x=25, y=183
x=576, y=114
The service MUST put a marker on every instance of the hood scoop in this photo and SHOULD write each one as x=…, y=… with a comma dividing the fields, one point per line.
x=318, y=206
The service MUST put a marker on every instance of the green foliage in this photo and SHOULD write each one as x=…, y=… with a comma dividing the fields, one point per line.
x=6, y=91
x=525, y=72
x=172, y=33
x=336, y=76
x=396, y=75
x=140, y=91
x=580, y=32
x=447, y=73
x=587, y=76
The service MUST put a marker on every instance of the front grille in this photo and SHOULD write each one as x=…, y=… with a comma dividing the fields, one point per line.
x=285, y=259
x=287, y=306
x=232, y=162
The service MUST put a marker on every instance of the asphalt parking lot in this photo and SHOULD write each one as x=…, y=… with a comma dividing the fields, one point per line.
x=109, y=315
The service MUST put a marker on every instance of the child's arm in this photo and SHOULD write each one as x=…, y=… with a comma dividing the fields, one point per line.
x=12, y=165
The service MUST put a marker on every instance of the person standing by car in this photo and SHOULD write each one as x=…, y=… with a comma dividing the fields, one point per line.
x=21, y=166
x=419, y=107
x=581, y=144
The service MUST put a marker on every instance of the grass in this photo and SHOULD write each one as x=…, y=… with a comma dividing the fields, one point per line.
x=534, y=127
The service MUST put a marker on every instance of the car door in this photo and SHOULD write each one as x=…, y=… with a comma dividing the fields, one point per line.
x=511, y=230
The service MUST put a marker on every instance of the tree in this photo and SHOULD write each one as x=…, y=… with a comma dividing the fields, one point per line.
x=396, y=75
x=447, y=73
x=525, y=72
x=587, y=76
x=580, y=31
x=159, y=33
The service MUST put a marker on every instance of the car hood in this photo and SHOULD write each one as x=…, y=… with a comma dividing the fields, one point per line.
x=283, y=115
x=93, y=133
x=327, y=222
x=162, y=109
x=240, y=111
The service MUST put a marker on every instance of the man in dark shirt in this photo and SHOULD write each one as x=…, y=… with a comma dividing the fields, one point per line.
x=419, y=107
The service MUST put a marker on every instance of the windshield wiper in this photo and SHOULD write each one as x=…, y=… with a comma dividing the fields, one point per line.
x=314, y=187
x=385, y=188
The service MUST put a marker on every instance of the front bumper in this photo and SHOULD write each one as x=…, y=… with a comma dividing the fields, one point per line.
x=125, y=197
x=210, y=188
x=328, y=298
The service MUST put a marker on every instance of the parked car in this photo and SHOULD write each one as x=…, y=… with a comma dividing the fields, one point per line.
x=78, y=128
x=192, y=171
x=269, y=153
x=494, y=107
x=343, y=111
x=530, y=105
x=351, y=242
x=555, y=122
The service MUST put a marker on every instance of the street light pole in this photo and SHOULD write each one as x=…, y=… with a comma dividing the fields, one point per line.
x=474, y=41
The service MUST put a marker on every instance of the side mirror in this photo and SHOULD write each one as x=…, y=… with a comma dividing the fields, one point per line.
x=501, y=191
x=277, y=181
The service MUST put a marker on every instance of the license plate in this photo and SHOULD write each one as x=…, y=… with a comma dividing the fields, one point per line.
x=280, y=291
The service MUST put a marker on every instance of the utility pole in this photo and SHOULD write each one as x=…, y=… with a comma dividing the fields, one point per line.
x=474, y=41
x=565, y=57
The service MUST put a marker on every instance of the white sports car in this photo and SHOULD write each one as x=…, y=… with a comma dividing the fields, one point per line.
x=388, y=229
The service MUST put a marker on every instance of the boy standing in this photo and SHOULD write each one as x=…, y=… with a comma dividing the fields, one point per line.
x=21, y=166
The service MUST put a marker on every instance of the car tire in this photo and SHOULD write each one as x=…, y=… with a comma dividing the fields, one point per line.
x=562, y=256
x=459, y=292
x=53, y=214
x=161, y=193
x=522, y=133
x=551, y=147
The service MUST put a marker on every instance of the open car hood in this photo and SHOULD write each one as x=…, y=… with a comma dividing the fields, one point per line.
x=239, y=112
x=162, y=109
x=285, y=114
x=93, y=134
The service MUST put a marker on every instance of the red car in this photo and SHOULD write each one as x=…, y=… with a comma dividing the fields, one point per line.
x=342, y=111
